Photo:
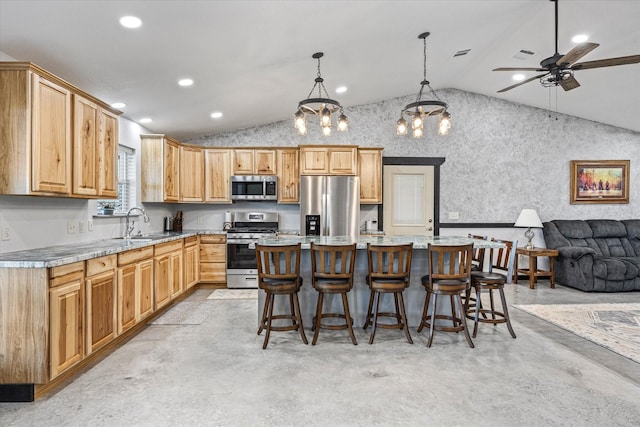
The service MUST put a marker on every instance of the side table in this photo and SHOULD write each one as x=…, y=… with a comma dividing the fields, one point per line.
x=533, y=272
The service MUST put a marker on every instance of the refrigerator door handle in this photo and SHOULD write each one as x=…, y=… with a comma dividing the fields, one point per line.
x=324, y=219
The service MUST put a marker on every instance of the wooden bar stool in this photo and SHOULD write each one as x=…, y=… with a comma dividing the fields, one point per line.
x=279, y=274
x=332, y=273
x=449, y=275
x=389, y=273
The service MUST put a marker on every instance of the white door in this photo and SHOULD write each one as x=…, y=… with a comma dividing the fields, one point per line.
x=408, y=200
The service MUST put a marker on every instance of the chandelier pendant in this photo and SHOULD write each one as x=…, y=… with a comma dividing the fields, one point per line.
x=321, y=106
x=417, y=112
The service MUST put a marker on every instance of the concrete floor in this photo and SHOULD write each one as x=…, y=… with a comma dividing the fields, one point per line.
x=217, y=374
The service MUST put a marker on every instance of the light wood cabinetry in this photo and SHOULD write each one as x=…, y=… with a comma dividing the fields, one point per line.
x=217, y=164
x=95, y=150
x=135, y=286
x=66, y=311
x=168, y=274
x=254, y=162
x=288, y=175
x=370, y=172
x=328, y=160
x=191, y=174
x=101, y=308
x=213, y=258
x=191, y=261
x=161, y=169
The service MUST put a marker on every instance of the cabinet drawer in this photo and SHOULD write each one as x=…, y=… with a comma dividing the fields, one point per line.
x=98, y=265
x=213, y=272
x=135, y=255
x=213, y=238
x=190, y=241
x=76, y=276
x=66, y=269
x=213, y=253
x=165, y=248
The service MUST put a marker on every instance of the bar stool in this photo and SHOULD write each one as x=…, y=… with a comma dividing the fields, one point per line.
x=332, y=273
x=389, y=273
x=502, y=259
x=279, y=274
x=449, y=275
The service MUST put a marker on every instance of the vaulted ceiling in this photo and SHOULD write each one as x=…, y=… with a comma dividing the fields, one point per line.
x=251, y=59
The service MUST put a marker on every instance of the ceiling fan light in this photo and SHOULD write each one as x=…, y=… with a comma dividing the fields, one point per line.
x=402, y=127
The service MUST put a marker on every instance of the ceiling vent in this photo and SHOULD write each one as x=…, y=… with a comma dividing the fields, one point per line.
x=523, y=54
x=461, y=52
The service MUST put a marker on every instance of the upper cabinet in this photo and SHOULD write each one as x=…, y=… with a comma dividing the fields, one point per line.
x=254, y=162
x=38, y=125
x=288, y=175
x=217, y=167
x=328, y=160
x=191, y=174
x=161, y=171
x=370, y=172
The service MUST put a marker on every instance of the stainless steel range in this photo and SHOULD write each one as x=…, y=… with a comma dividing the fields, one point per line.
x=248, y=228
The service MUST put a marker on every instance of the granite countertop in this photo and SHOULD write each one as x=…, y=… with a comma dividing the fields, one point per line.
x=54, y=256
x=419, y=242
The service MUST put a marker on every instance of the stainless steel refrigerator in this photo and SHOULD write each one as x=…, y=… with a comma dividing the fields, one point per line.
x=330, y=205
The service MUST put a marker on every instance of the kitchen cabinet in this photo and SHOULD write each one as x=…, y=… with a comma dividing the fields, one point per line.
x=95, y=150
x=254, y=162
x=66, y=301
x=191, y=261
x=213, y=258
x=135, y=286
x=217, y=163
x=328, y=160
x=191, y=174
x=168, y=274
x=288, y=175
x=370, y=172
x=101, y=296
x=161, y=168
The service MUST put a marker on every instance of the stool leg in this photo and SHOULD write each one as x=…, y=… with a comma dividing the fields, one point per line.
x=318, y=318
x=403, y=314
x=476, y=317
x=506, y=313
x=298, y=317
x=493, y=308
x=270, y=316
x=464, y=321
x=374, y=323
x=347, y=315
x=433, y=303
x=395, y=300
x=423, y=321
x=264, y=314
x=453, y=310
x=292, y=310
x=367, y=321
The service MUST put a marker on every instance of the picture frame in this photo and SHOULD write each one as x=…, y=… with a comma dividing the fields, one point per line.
x=599, y=181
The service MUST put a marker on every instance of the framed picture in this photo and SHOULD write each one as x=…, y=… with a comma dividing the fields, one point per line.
x=599, y=181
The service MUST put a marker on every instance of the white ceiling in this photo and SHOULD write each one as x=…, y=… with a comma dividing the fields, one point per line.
x=252, y=59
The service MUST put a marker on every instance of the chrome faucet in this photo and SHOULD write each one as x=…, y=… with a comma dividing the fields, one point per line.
x=129, y=227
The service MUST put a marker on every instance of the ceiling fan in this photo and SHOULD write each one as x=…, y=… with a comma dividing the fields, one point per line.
x=557, y=70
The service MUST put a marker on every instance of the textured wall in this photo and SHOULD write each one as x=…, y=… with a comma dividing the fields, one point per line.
x=500, y=156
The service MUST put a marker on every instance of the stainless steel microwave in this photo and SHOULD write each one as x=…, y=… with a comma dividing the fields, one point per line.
x=254, y=187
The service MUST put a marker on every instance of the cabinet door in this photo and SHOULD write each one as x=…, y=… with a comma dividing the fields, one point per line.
x=85, y=147
x=370, y=172
x=101, y=309
x=175, y=262
x=108, y=155
x=50, y=138
x=162, y=273
x=65, y=323
x=243, y=162
x=127, y=278
x=314, y=161
x=288, y=176
x=343, y=161
x=217, y=173
x=192, y=175
x=191, y=265
x=264, y=162
x=171, y=171
x=145, y=288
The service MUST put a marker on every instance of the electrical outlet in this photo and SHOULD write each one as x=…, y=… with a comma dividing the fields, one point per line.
x=90, y=225
x=81, y=227
x=5, y=233
x=71, y=227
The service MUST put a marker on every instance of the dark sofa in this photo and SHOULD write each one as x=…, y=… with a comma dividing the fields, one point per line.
x=598, y=255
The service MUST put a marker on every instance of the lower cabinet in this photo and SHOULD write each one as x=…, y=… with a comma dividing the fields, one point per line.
x=66, y=309
x=168, y=275
x=191, y=261
x=101, y=307
x=135, y=286
x=213, y=258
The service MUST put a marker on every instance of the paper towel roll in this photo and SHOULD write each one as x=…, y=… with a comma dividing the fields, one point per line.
x=228, y=220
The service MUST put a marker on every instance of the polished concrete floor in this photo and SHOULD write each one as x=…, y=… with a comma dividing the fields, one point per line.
x=217, y=374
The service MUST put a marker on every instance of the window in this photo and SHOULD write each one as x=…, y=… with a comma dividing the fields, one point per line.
x=126, y=182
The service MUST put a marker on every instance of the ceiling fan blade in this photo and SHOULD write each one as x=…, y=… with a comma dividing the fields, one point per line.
x=609, y=62
x=576, y=53
x=518, y=69
x=569, y=83
x=522, y=82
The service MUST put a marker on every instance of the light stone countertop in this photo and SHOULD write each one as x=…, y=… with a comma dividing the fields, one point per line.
x=419, y=242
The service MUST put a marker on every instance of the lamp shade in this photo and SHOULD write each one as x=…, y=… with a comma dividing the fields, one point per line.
x=528, y=218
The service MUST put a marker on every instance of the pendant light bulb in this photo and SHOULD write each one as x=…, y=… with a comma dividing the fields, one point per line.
x=325, y=117
x=416, y=123
x=299, y=120
x=417, y=133
x=343, y=123
x=302, y=130
x=402, y=126
x=326, y=130
x=444, y=124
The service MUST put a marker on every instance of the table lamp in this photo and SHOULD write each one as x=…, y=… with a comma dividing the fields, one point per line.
x=528, y=219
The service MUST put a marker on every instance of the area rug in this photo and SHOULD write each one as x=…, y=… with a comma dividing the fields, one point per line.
x=185, y=313
x=613, y=326
x=234, y=294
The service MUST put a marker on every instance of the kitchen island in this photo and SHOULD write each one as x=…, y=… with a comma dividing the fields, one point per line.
x=358, y=298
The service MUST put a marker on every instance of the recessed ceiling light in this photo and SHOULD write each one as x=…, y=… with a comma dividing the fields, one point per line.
x=185, y=82
x=145, y=120
x=118, y=105
x=216, y=115
x=341, y=89
x=580, y=38
x=518, y=77
x=130, y=21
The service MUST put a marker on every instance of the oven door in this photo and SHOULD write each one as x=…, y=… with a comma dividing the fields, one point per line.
x=242, y=268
